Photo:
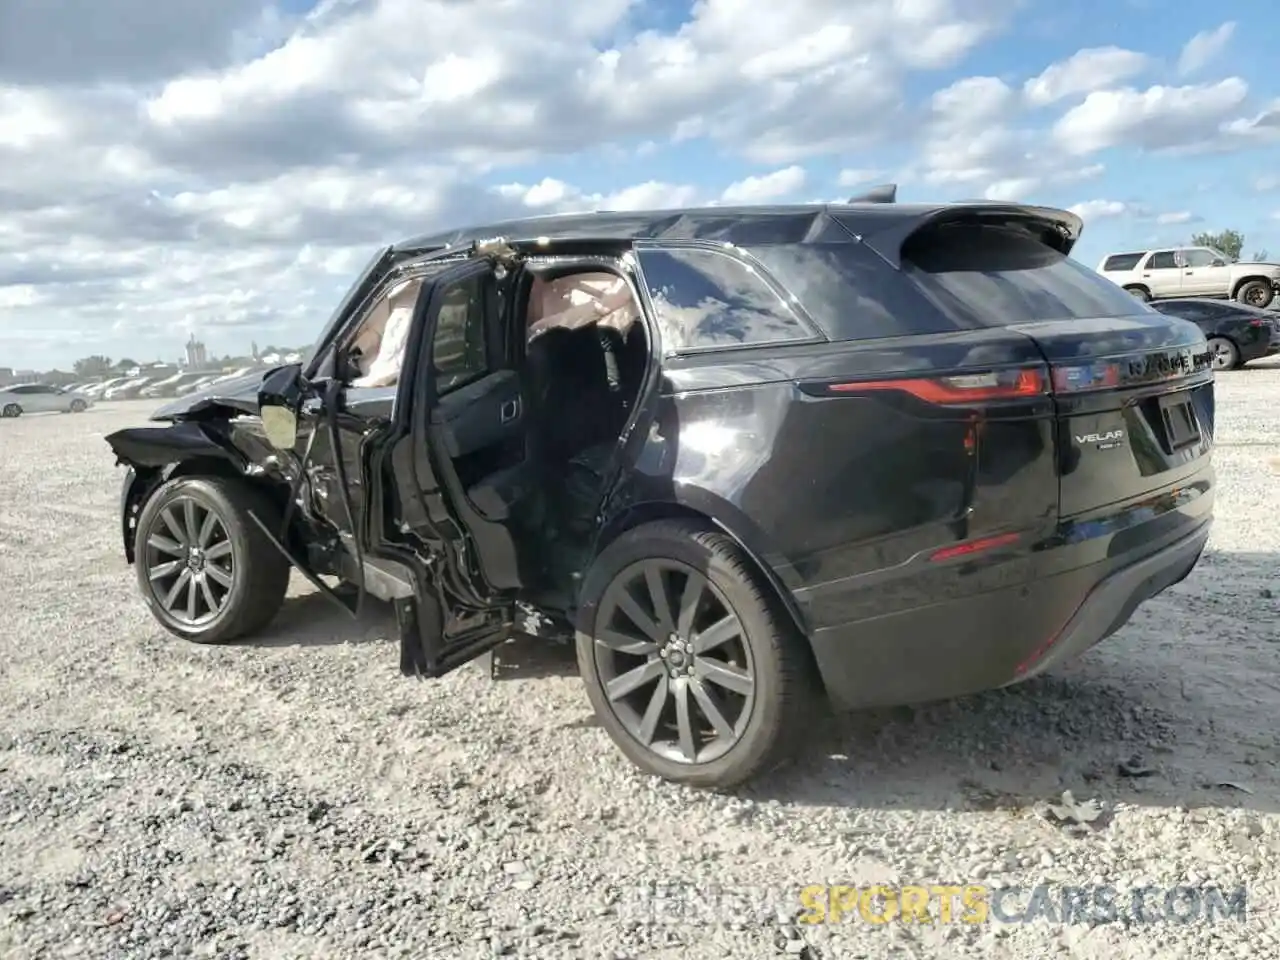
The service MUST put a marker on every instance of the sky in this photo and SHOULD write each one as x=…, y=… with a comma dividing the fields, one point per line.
x=225, y=168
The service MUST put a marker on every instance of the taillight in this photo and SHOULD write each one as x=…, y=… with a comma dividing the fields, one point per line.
x=1259, y=322
x=960, y=389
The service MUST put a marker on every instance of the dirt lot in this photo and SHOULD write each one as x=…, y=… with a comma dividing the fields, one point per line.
x=297, y=798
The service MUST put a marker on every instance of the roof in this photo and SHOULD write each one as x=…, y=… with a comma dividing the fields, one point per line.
x=730, y=224
x=890, y=223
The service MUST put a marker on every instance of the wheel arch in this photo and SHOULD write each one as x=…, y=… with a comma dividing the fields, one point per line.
x=721, y=520
x=142, y=482
x=1251, y=278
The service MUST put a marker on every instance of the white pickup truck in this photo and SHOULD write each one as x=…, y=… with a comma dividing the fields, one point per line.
x=1192, y=272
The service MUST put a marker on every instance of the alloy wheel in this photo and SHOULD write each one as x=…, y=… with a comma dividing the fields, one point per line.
x=190, y=562
x=1223, y=356
x=1256, y=296
x=673, y=660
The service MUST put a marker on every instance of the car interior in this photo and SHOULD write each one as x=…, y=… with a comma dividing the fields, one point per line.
x=529, y=412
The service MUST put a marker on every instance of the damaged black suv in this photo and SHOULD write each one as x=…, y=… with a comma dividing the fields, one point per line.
x=755, y=459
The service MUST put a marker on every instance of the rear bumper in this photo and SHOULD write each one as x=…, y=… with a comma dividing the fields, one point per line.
x=996, y=638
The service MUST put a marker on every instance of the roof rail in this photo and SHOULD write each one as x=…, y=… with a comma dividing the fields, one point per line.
x=885, y=193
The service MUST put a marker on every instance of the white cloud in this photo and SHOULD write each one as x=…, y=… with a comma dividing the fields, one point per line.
x=857, y=177
x=1156, y=118
x=770, y=186
x=225, y=168
x=1180, y=216
x=1099, y=209
x=1205, y=47
x=1084, y=71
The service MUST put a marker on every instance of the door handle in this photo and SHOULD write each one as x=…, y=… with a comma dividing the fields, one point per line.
x=510, y=410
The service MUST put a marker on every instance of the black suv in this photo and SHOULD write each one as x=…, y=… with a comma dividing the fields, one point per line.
x=756, y=458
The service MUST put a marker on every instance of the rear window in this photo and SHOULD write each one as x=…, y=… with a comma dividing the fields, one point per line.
x=1122, y=261
x=1005, y=275
x=955, y=277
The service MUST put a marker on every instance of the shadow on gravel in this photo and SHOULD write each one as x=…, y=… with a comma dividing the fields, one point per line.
x=312, y=621
x=1179, y=709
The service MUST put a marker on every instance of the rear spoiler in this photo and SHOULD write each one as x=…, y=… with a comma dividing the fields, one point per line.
x=887, y=233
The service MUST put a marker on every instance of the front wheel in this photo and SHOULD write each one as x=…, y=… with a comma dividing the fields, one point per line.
x=206, y=570
x=77, y=406
x=1225, y=354
x=11, y=410
x=1139, y=293
x=1256, y=293
x=689, y=665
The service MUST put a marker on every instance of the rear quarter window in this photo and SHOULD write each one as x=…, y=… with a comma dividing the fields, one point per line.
x=707, y=299
x=1122, y=261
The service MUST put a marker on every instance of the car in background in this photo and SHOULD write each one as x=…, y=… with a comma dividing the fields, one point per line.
x=1192, y=272
x=1237, y=333
x=195, y=385
x=41, y=398
x=168, y=387
x=129, y=390
x=98, y=389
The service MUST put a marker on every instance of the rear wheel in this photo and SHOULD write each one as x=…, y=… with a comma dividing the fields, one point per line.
x=11, y=410
x=1256, y=293
x=689, y=665
x=1140, y=293
x=1225, y=354
x=206, y=570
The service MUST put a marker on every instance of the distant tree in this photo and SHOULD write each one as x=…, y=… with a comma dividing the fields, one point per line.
x=95, y=366
x=1230, y=242
x=1259, y=255
x=126, y=364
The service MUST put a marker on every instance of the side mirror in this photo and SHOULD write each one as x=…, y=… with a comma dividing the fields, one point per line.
x=1219, y=262
x=279, y=399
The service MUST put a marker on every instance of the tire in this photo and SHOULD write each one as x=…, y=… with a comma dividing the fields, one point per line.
x=1256, y=293
x=11, y=410
x=1225, y=354
x=77, y=406
x=1139, y=293
x=249, y=588
x=766, y=723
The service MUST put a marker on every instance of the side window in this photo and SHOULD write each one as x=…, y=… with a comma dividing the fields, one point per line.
x=1198, y=257
x=1122, y=261
x=707, y=299
x=459, y=353
x=1162, y=260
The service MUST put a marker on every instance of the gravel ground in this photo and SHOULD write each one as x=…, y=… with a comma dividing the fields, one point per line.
x=295, y=797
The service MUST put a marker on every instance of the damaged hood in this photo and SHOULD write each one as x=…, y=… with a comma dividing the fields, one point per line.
x=239, y=395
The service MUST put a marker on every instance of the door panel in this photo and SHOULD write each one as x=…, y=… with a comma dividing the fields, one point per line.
x=1162, y=274
x=484, y=414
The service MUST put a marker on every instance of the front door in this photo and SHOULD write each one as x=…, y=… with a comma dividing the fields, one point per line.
x=1200, y=274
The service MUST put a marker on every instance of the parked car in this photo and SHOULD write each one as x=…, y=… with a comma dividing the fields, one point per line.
x=98, y=389
x=169, y=386
x=1237, y=333
x=195, y=385
x=41, y=398
x=750, y=458
x=1192, y=272
x=129, y=390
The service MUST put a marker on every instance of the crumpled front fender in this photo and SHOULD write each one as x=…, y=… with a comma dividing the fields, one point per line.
x=152, y=453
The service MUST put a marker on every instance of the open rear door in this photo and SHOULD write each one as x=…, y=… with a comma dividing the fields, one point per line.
x=452, y=363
